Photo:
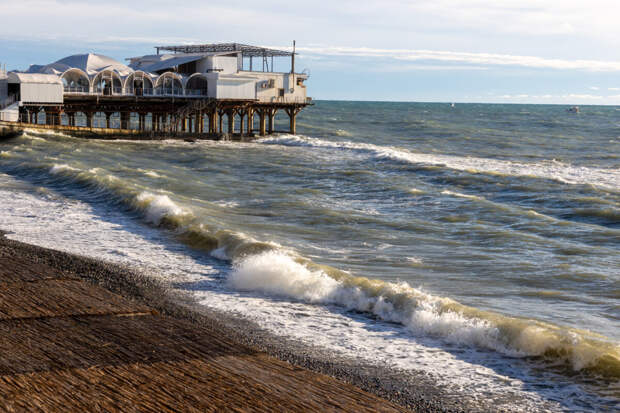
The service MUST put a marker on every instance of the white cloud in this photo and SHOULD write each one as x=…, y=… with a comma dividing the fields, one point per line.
x=594, y=88
x=491, y=59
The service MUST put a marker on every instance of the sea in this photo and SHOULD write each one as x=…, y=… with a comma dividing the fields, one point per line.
x=475, y=244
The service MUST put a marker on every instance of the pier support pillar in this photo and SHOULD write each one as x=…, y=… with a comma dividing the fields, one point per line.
x=125, y=120
x=143, y=119
x=250, y=121
x=231, y=122
x=292, y=113
x=272, y=119
x=89, y=119
x=221, y=121
x=241, y=125
x=108, y=116
x=213, y=121
x=261, y=123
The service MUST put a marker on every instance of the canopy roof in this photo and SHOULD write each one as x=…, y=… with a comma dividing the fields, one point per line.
x=169, y=63
x=246, y=50
x=16, y=77
x=90, y=63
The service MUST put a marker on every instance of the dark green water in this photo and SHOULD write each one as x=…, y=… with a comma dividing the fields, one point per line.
x=410, y=234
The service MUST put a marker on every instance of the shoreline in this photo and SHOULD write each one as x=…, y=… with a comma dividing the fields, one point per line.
x=404, y=388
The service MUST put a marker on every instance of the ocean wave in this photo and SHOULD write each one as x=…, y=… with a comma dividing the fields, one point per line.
x=58, y=168
x=268, y=268
x=276, y=273
x=160, y=208
x=559, y=171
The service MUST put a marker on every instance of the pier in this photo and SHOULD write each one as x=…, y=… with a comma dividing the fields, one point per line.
x=210, y=91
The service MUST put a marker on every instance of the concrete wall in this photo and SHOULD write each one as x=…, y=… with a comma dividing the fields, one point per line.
x=231, y=87
x=223, y=64
x=41, y=93
x=11, y=113
x=269, y=85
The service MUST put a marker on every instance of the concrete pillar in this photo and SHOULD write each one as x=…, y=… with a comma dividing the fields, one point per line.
x=125, y=120
x=221, y=122
x=89, y=119
x=292, y=113
x=231, y=122
x=272, y=119
x=214, y=122
x=262, y=122
x=250, y=121
x=241, y=121
x=108, y=115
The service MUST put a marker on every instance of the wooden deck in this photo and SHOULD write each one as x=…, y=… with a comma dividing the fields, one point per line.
x=68, y=345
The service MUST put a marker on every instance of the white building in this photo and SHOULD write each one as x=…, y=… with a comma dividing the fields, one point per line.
x=186, y=82
x=214, y=71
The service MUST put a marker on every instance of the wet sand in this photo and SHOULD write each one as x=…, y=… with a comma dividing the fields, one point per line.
x=80, y=334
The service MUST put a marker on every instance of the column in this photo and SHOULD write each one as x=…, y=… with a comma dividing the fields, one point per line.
x=231, y=122
x=250, y=121
x=262, y=122
x=272, y=119
x=125, y=120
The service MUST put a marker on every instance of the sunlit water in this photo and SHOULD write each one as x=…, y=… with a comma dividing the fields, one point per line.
x=478, y=244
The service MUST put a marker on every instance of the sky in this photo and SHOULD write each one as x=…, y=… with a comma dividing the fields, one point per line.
x=496, y=51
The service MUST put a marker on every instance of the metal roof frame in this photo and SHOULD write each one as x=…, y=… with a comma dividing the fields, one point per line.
x=246, y=50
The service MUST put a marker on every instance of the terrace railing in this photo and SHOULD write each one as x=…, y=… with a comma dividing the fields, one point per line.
x=76, y=89
x=196, y=92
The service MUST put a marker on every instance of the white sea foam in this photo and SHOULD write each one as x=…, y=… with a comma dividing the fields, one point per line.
x=152, y=174
x=159, y=207
x=460, y=195
x=58, y=168
x=276, y=273
x=608, y=178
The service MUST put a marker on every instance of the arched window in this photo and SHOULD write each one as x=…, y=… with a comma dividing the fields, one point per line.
x=139, y=83
x=169, y=83
x=107, y=83
x=196, y=85
x=75, y=81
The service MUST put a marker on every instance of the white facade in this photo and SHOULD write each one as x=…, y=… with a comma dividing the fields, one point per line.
x=175, y=74
x=10, y=113
x=38, y=88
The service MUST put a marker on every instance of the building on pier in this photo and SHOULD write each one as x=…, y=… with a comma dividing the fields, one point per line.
x=178, y=89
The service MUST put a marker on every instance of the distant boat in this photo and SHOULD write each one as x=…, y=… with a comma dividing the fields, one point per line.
x=573, y=109
x=451, y=105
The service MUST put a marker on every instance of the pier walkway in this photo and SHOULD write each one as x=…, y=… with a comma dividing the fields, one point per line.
x=69, y=345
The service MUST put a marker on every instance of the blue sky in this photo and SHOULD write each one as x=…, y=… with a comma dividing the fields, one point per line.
x=525, y=51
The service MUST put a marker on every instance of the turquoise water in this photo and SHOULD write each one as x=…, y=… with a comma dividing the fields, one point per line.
x=489, y=233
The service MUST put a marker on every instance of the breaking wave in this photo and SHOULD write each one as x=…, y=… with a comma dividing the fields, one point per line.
x=268, y=268
x=566, y=173
x=280, y=274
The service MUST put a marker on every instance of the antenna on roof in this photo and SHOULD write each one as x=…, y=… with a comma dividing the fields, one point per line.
x=293, y=59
